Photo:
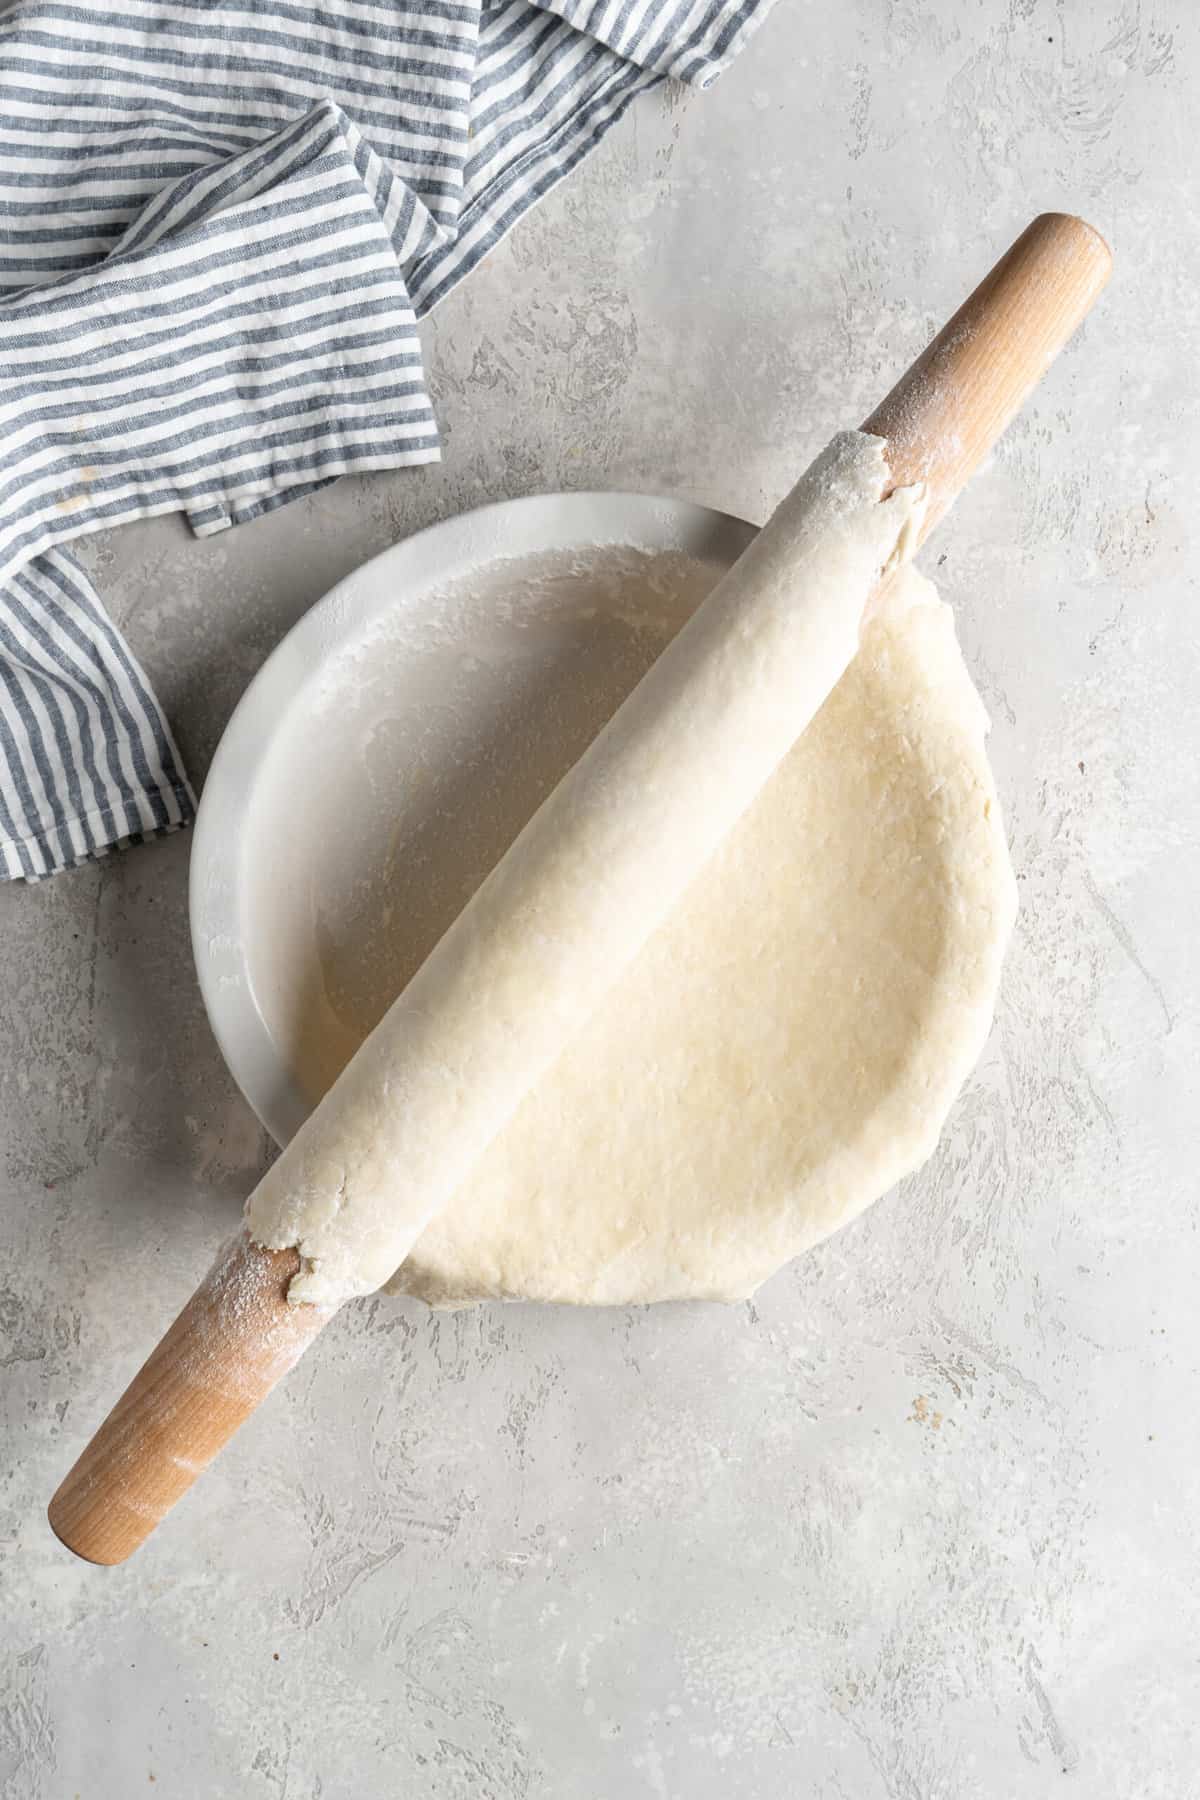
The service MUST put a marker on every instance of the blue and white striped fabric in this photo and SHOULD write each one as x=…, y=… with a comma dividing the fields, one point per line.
x=219, y=225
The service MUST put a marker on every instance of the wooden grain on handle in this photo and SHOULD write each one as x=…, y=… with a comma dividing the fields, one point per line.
x=943, y=417
x=236, y=1337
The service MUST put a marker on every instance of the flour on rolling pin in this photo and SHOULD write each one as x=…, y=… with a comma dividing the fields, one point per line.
x=610, y=856
x=590, y=878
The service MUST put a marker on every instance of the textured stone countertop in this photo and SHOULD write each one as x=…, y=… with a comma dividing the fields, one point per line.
x=920, y=1522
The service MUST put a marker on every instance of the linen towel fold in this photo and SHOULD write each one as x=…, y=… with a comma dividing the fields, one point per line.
x=219, y=225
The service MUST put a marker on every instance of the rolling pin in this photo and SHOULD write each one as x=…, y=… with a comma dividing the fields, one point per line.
x=240, y=1333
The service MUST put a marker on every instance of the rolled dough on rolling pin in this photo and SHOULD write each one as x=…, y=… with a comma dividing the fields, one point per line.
x=594, y=873
x=582, y=889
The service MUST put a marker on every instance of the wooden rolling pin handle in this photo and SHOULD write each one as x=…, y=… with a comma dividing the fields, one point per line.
x=943, y=417
x=236, y=1337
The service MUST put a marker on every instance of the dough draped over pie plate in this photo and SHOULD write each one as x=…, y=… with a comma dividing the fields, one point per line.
x=601, y=1085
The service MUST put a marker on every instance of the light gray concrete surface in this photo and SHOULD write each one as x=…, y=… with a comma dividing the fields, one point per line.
x=921, y=1521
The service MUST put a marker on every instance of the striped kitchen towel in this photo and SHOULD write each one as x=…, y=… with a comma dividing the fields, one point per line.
x=219, y=225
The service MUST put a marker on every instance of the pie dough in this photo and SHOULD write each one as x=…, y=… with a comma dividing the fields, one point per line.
x=787, y=1046
x=547, y=947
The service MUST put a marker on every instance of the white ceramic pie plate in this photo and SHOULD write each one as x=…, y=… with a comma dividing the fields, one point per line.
x=393, y=744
